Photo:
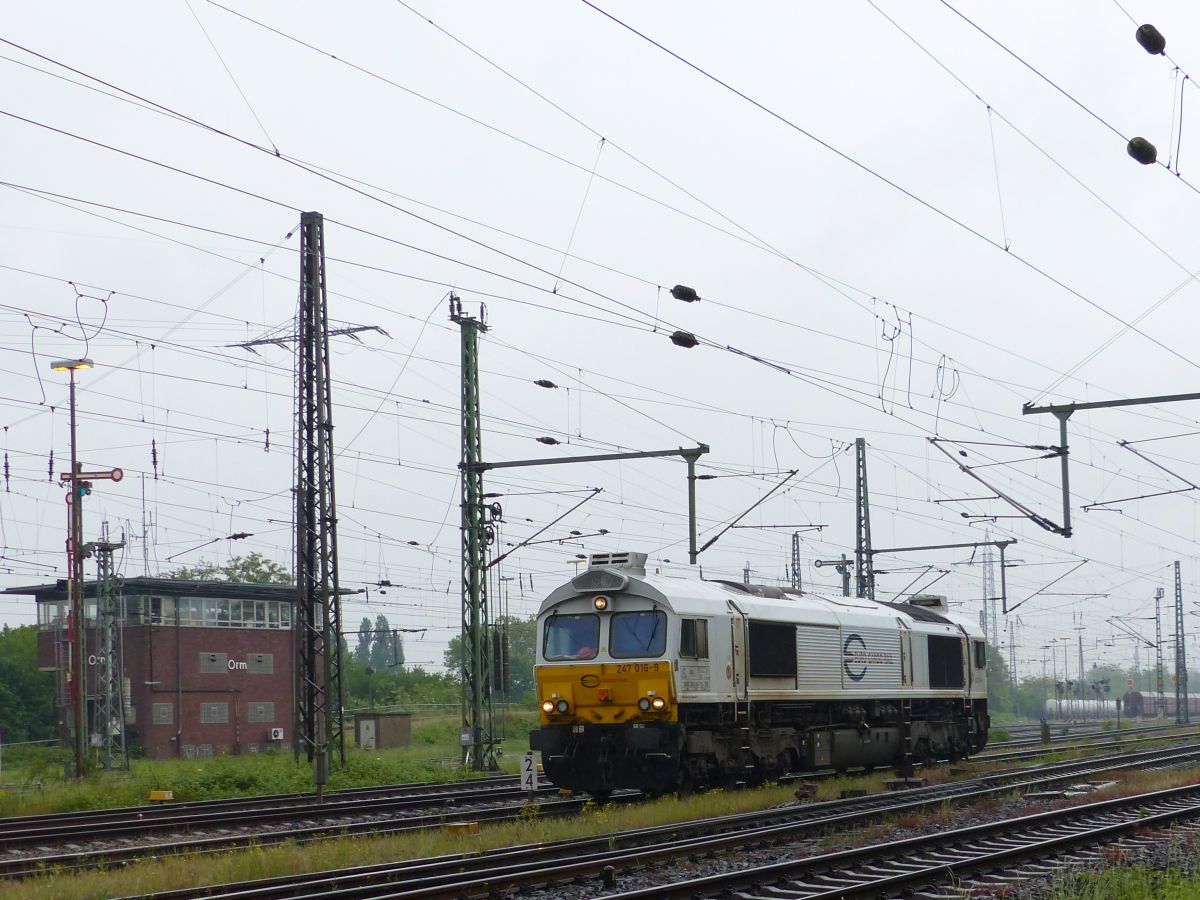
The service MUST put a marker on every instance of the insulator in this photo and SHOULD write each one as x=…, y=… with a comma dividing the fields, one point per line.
x=1151, y=39
x=154, y=457
x=50, y=475
x=6, y=470
x=267, y=443
x=548, y=440
x=1143, y=151
x=683, y=339
x=685, y=293
x=546, y=383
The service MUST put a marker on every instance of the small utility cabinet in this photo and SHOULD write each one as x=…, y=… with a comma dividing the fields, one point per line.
x=374, y=731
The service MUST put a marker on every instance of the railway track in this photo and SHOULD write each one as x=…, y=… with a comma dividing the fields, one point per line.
x=1076, y=735
x=526, y=868
x=16, y=829
x=58, y=829
x=1110, y=740
x=990, y=855
x=31, y=847
x=103, y=838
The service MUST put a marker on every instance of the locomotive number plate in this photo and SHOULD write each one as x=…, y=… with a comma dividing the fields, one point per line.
x=639, y=667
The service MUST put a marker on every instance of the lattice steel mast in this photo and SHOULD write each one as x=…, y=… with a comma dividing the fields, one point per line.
x=109, y=710
x=319, y=731
x=1160, y=703
x=1182, y=711
x=863, y=556
x=990, y=621
x=477, y=738
x=795, y=573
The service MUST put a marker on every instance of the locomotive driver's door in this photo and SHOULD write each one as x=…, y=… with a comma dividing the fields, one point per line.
x=737, y=623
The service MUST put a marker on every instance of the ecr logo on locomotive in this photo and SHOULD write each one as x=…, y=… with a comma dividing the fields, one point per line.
x=856, y=657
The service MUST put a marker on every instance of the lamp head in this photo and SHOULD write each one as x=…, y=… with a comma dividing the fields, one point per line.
x=71, y=365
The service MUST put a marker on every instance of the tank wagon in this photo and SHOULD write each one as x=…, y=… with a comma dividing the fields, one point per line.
x=1141, y=704
x=1074, y=708
x=659, y=683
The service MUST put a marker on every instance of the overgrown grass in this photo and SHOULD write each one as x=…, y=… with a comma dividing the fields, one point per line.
x=999, y=734
x=43, y=788
x=1126, y=883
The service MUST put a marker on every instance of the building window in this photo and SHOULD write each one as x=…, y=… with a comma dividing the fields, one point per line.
x=214, y=663
x=252, y=748
x=194, y=612
x=51, y=616
x=214, y=713
x=204, y=751
x=693, y=638
x=260, y=712
x=189, y=751
x=261, y=663
x=163, y=713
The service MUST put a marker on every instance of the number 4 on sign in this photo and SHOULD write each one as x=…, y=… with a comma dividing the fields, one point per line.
x=529, y=779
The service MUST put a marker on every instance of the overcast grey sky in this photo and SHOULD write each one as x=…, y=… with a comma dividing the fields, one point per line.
x=899, y=231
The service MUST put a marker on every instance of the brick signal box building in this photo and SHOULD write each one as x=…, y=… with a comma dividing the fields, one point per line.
x=207, y=666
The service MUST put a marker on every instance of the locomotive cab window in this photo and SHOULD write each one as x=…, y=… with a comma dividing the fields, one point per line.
x=571, y=637
x=636, y=634
x=693, y=638
x=980, y=649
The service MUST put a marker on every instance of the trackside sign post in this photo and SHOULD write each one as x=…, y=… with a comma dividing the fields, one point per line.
x=529, y=778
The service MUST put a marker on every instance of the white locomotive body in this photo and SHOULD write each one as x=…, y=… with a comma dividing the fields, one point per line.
x=656, y=683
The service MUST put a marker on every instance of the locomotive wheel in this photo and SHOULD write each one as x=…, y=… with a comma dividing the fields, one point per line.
x=600, y=796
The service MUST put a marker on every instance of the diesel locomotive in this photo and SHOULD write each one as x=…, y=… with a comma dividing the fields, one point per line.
x=661, y=683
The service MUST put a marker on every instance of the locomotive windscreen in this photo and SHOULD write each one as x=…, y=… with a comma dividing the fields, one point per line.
x=772, y=650
x=945, y=662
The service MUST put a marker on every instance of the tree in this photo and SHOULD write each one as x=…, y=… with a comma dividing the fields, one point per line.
x=26, y=695
x=522, y=638
x=362, y=650
x=381, y=643
x=1000, y=692
x=252, y=568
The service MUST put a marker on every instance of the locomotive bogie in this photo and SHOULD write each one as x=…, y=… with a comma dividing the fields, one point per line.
x=670, y=682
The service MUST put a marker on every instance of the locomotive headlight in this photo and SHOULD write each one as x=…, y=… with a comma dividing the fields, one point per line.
x=601, y=603
x=547, y=706
x=659, y=703
x=644, y=704
x=562, y=706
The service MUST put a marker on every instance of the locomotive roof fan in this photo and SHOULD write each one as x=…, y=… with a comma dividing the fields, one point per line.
x=935, y=602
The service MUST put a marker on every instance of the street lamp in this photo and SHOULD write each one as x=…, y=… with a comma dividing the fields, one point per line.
x=75, y=568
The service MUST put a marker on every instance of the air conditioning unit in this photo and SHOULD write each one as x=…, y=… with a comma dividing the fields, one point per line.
x=277, y=734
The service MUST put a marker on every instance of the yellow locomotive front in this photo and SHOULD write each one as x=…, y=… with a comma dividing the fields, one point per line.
x=606, y=688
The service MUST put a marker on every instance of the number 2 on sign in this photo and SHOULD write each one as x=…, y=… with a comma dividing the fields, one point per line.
x=528, y=773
